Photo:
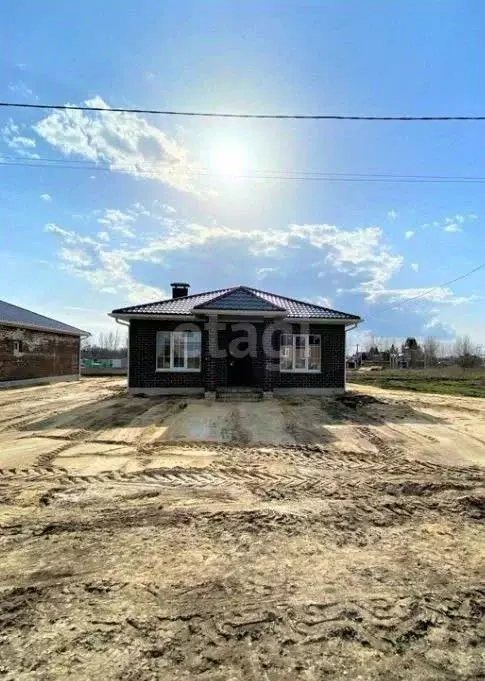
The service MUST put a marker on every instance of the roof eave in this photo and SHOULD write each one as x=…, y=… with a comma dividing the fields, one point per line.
x=245, y=313
x=149, y=315
x=327, y=320
x=46, y=329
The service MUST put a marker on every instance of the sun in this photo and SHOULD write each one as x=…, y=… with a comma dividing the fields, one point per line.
x=228, y=159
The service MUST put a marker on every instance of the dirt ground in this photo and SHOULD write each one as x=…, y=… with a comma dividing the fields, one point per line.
x=297, y=538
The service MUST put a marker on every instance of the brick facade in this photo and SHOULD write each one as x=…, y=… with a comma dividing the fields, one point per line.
x=332, y=374
x=41, y=355
x=216, y=337
x=142, y=357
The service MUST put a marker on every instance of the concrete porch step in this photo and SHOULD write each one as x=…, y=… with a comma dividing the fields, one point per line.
x=239, y=394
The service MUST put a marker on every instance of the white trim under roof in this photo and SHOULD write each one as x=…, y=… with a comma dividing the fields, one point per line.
x=149, y=315
x=325, y=320
x=240, y=313
x=47, y=329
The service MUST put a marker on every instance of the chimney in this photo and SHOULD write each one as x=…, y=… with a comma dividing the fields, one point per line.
x=179, y=289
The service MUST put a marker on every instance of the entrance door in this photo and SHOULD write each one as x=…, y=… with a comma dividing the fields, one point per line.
x=239, y=369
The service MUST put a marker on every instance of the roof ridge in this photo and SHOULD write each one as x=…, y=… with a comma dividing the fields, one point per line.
x=231, y=291
x=302, y=302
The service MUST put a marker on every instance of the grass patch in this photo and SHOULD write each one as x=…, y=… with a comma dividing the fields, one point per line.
x=448, y=381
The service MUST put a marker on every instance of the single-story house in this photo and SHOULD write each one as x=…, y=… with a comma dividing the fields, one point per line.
x=234, y=338
x=36, y=349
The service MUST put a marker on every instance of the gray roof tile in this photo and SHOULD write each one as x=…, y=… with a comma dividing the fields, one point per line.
x=240, y=298
x=172, y=305
x=229, y=296
x=12, y=314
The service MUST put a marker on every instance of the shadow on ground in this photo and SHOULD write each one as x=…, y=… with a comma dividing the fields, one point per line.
x=303, y=419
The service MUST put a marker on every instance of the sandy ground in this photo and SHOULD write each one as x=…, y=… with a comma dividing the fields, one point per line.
x=295, y=538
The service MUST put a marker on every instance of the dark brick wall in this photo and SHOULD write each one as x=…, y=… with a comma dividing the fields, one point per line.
x=143, y=348
x=43, y=354
x=332, y=374
x=265, y=365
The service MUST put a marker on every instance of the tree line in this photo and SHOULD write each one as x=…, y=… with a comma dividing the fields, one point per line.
x=111, y=345
x=429, y=353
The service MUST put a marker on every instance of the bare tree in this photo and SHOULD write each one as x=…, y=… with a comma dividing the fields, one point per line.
x=431, y=350
x=108, y=346
x=466, y=353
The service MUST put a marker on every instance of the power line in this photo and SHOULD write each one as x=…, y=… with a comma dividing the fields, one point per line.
x=278, y=175
x=434, y=288
x=203, y=169
x=211, y=114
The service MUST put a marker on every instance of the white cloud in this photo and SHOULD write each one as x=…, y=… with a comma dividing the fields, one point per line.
x=21, y=142
x=118, y=221
x=139, y=209
x=108, y=271
x=409, y=234
x=69, y=236
x=414, y=266
x=392, y=215
x=323, y=301
x=46, y=197
x=453, y=223
x=439, y=294
x=168, y=209
x=21, y=89
x=355, y=252
x=263, y=272
x=359, y=253
x=456, y=218
x=76, y=308
x=13, y=138
x=126, y=142
x=432, y=323
x=76, y=257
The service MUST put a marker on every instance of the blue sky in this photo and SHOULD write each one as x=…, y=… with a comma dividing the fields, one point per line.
x=139, y=201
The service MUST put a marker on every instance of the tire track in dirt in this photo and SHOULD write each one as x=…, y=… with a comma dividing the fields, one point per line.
x=345, y=521
x=217, y=623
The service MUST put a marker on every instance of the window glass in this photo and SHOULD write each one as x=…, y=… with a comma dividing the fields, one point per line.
x=300, y=352
x=300, y=357
x=286, y=339
x=163, y=356
x=193, y=347
x=286, y=357
x=178, y=350
x=314, y=359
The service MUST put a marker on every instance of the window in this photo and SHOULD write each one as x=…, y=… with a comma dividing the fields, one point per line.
x=17, y=347
x=300, y=352
x=178, y=350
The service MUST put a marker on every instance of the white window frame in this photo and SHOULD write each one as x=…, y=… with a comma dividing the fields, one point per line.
x=305, y=369
x=17, y=348
x=172, y=368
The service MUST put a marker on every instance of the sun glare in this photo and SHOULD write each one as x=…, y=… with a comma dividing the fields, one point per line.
x=228, y=159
